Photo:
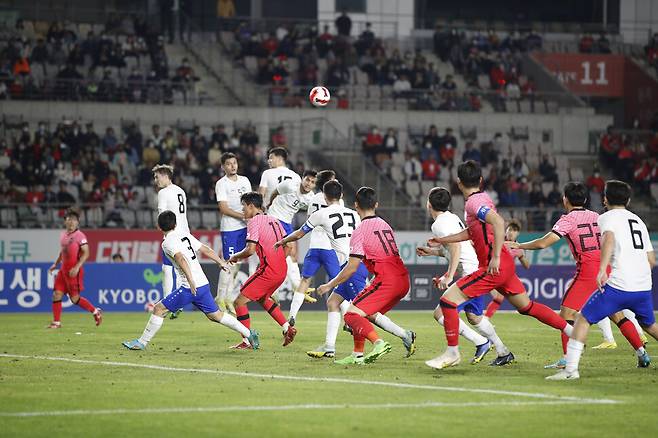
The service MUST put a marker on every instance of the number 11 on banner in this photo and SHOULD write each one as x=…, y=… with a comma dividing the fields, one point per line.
x=587, y=77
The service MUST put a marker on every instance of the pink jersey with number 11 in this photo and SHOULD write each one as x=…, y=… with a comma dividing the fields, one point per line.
x=265, y=231
x=374, y=242
x=581, y=229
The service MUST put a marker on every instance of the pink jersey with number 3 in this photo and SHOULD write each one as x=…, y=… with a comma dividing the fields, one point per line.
x=581, y=229
x=374, y=242
x=265, y=231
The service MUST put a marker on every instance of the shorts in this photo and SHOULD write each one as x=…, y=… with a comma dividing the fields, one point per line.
x=286, y=227
x=382, y=294
x=316, y=258
x=612, y=300
x=165, y=259
x=69, y=285
x=355, y=284
x=475, y=305
x=263, y=283
x=579, y=292
x=233, y=242
x=481, y=283
x=183, y=296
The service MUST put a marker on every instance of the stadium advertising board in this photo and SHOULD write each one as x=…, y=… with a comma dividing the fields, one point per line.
x=127, y=287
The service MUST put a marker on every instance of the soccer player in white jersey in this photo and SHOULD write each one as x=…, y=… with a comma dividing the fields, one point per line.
x=626, y=246
x=338, y=223
x=170, y=198
x=276, y=174
x=461, y=254
x=233, y=228
x=183, y=250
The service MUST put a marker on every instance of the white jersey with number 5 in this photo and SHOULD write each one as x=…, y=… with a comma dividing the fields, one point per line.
x=230, y=192
x=630, y=267
x=273, y=177
x=289, y=201
x=339, y=223
x=173, y=198
x=448, y=223
x=319, y=237
x=183, y=242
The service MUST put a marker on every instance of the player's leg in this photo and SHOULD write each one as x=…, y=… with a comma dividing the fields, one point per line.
x=627, y=329
x=569, y=315
x=641, y=304
x=539, y=311
x=56, y=323
x=474, y=310
x=628, y=314
x=75, y=286
x=495, y=304
x=168, y=282
x=328, y=349
x=464, y=330
x=608, y=339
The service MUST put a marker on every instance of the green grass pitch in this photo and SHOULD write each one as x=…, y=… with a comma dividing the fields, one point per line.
x=262, y=393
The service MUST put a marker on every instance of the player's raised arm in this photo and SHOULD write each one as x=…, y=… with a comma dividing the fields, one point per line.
x=185, y=267
x=348, y=270
x=547, y=240
x=453, y=238
x=84, y=255
x=212, y=255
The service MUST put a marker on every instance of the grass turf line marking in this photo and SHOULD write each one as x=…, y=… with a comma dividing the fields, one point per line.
x=537, y=395
x=211, y=409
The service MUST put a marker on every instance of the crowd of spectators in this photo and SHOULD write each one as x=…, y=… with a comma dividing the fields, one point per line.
x=588, y=44
x=124, y=61
x=72, y=163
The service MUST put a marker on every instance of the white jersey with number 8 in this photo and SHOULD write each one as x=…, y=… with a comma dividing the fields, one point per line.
x=173, y=198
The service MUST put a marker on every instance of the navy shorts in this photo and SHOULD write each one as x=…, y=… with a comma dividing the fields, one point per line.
x=233, y=242
x=475, y=305
x=316, y=258
x=356, y=283
x=165, y=259
x=612, y=300
x=286, y=227
x=182, y=296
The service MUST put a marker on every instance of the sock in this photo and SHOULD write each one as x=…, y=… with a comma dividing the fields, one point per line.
x=296, y=304
x=293, y=273
x=574, y=351
x=606, y=330
x=488, y=331
x=275, y=312
x=452, y=349
x=631, y=317
x=242, y=315
x=152, y=327
x=450, y=322
x=359, y=346
x=545, y=315
x=85, y=304
x=361, y=327
x=565, y=337
x=167, y=280
x=333, y=322
x=231, y=322
x=467, y=332
x=627, y=329
x=493, y=307
x=224, y=284
x=57, y=311
x=344, y=306
x=385, y=323
x=640, y=351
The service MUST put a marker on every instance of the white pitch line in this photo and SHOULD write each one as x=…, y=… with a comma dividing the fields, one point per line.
x=196, y=410
x=536, y=395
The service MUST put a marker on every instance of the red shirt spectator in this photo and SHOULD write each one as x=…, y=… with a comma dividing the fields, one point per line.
x=609, y=142
x=586, y=44
x=34, y=196
x=279, y=138
x=642, y=171
x=497, y=77
x=625, y=153
x=595, y=182
x=431, y=169
x=271, y=44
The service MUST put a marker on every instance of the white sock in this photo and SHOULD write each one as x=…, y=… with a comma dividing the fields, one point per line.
x=631, y=317
x=385, y=323
x=640, y=351
x=223, y=285
x=468, y=333
x=293, y=273
x=574, y=351
x=606, y=330
x=333, y=322
x=231, y=322
x=296, y=304
x=285, y=326
x=455, y=350
x=152, y=327
x=167, y=280
x=488, y=331
x=344, y=306
x=568, y=330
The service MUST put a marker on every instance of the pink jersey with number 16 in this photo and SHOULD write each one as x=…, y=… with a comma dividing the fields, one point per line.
x=374, y=242
x=581, y=228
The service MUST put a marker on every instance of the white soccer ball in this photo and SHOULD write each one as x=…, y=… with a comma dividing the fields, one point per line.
x=319, y=96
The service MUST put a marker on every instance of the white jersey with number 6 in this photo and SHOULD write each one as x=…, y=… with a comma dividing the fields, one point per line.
x=271, y=178
x=179, y=242
x=448, y=223
x=339, y=223
x=174, y=199
x=319, y=237
x=630, y=267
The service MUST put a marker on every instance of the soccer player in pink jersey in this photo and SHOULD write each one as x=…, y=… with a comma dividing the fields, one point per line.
x=373, y=243
x=581, y=229
x=486, y=229
x=511, y=235
x=69, y=280
x=263, y=231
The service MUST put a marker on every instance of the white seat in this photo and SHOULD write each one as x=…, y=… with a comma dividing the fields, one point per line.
x=398, y=159
x=128, y=216
x=511, y=106
x=194, y=219
x=397, y=175
x=412, y=188
x=425, y=187
x=210, y=219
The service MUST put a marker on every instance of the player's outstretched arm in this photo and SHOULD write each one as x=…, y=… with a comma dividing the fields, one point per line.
x=344, y=275
x=247, y=252
x=212, y=255
x=185, y=267
x=547, y=240
x=426, y=251
x=607, y=246
x=292, y=237
x=453, y=238
x=84, y=255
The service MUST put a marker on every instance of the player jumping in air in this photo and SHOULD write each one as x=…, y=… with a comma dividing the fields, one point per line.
x=496, y=266
x=338, y=224
x=170, y=198
x=461, y=255
x=233, y=227
x=73, y=254
x=581, y=230
x=183, y=250
x=373, y=243
x=626, y=246
x=263, y=231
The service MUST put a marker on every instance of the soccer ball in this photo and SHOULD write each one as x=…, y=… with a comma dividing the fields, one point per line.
x=319, y=96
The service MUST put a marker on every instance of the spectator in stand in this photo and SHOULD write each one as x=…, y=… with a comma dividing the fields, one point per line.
x=603, y=44
x=431, y=145
x=366, y=40
x=390, y=143
x=625, y=165
x=554, y=197
x=344, y=24
x=547, y=170
x=497, y=76
x=512, y=90
x=586, y=44
x=431, y=169
x=413, y=168
x=529, y=88
x=508, y=195
x=471, y=153
x=519, y=168
x=536, y=197
x=402, y=86
x=448, y=147
x=279, y=138
x=643, y=174
x=64, y=196
x=372, y=143
x=594, y=182
x=337, y=74
x=609, y=146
